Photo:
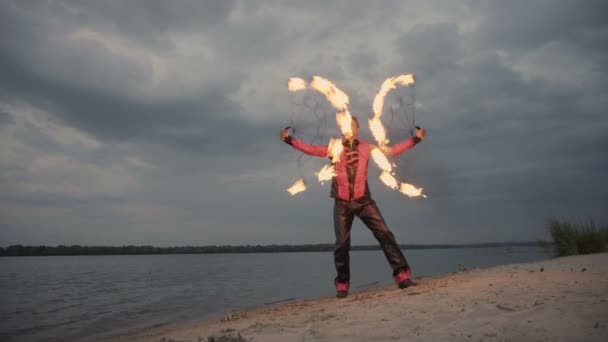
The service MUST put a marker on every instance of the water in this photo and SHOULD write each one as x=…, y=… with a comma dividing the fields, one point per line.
x=82, y=297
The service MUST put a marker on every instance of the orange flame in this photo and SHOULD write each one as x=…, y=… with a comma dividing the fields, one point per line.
x=389, y=180
x=338, y=100
x=335, y=148
x=388, y=85
x=410, y=190
x=381, y=160
x=296, y=83
x=378, y=131
x=335, y=96
x=297, y=187
x=327, y=173
x=375, y=124
x=344, y=119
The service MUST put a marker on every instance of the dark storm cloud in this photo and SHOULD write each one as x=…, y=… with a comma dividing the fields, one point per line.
x=148, y=22
x=145, y=17
x=523, y=24
x=5, y=118
x=152, y=25
x=431, y=49
x=198, y=124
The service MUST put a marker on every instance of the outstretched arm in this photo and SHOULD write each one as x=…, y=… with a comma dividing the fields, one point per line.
x=313, y=150
x=406, y=144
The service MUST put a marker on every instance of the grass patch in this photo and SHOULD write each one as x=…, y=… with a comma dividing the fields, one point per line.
x=572, y=239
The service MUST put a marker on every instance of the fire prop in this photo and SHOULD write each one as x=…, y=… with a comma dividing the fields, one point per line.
x=379, y=133
x=335, y=96
x=327, y=173
x=297, y=187
x=375, y=124
x=339, y=100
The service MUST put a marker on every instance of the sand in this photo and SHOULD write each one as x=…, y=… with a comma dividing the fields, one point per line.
x=564, y=299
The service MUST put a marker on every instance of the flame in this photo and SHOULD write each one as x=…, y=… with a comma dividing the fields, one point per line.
x=297, y=187
x=389, y=180
x=375, y=124
x=335, y=148
x=381, y=160
x=338, y=100
x=296, y=83
x=327, y=173
x=410, y=190
x=335, y=96
x=344, y=121
x=388, y=85
x=378, y=131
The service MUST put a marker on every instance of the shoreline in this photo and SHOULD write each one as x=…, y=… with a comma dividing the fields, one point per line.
x=564, y=298
x=78, y=250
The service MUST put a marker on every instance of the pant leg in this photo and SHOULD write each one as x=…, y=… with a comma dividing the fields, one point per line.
x=370, y=215
x=343, y=221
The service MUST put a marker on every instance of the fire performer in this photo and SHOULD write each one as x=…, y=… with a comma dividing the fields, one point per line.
x=352, y=198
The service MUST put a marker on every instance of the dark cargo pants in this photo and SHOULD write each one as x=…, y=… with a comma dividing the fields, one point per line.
x=368, y=212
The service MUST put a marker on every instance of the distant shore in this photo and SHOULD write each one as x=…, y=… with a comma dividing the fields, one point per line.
x=560, y=299
x=21, y=250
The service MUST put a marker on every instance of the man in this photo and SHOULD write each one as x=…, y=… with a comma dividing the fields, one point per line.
x=352, y=198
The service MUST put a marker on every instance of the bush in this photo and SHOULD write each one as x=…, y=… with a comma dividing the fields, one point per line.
x=572, y=239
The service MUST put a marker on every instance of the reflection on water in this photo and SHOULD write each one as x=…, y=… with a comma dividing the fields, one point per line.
x=75, y=297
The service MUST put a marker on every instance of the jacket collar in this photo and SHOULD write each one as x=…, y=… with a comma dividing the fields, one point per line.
x=354, y=145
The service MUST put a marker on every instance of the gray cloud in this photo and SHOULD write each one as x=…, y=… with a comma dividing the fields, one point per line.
x=5, y=118
x=523, y=25
x=197, y=124
x=147, y=22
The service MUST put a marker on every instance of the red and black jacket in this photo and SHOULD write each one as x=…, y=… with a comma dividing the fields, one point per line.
x=350, y=182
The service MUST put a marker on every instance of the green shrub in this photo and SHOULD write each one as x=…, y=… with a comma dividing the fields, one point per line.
x=572, y=239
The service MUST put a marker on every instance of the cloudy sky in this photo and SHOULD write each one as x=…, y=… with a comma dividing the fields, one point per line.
x=156, y=122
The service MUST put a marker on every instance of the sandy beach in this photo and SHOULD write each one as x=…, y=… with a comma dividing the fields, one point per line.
x=563, y=299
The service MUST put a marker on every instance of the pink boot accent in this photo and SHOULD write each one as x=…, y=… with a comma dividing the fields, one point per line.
x=342, y=287
x=403, y=275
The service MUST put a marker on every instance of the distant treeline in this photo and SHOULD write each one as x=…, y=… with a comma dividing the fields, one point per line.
x=19, y=250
